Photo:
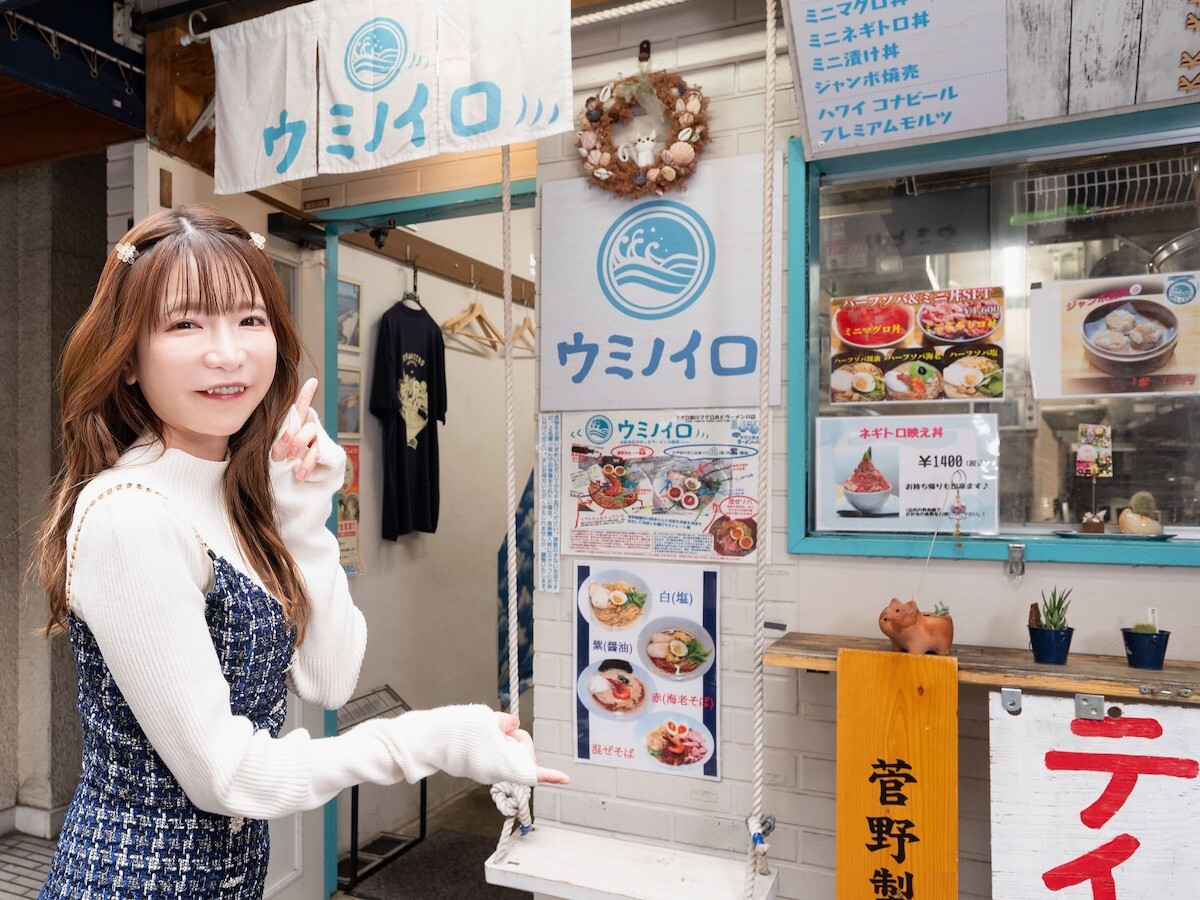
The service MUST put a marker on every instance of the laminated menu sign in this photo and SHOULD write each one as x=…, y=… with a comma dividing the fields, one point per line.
x=1105, y=337
x=661, y=485
x=917, y=346
x=646, y=667
x=908, y=473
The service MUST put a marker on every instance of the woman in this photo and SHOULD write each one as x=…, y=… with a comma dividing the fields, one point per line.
x=186, y=555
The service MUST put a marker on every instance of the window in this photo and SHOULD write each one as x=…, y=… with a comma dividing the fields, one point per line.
x=1128, y=214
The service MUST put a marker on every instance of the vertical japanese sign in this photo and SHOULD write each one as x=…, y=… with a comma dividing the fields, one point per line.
x=348, y=514
x=549, y=475
x=646, y=670
x=1104, y=337
x=661, y=485
x=1093, y=807
x=897, y=776
x=656, y=304
x=875, y=71
x=398, y=81
x=918, y=346
x=908, y=473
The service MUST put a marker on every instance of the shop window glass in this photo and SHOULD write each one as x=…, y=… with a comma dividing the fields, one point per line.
x=1124, y=215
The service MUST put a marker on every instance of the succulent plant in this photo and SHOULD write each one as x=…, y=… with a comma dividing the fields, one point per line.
x=1145, y=628
x=940, y=609
x=1053, y=614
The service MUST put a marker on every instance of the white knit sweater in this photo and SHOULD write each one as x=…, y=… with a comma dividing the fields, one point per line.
x=138, y=578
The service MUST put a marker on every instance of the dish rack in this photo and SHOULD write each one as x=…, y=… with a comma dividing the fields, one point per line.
x=1106, y=191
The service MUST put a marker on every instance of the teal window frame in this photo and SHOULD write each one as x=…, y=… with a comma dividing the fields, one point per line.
x=804, y=179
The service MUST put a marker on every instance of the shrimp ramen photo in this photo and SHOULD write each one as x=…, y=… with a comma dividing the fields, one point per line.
x=616, y=689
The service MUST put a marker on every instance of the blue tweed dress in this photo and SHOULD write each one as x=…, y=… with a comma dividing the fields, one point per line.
x=130, y=831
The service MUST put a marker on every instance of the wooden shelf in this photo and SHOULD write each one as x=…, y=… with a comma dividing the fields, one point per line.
x=997, y=667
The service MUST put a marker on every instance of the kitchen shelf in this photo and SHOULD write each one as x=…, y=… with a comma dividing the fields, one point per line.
x=996, y=667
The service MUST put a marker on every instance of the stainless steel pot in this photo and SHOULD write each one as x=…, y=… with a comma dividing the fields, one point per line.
x=1181, y=254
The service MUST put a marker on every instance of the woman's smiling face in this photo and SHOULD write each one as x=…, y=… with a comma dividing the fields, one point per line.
x=203, y=373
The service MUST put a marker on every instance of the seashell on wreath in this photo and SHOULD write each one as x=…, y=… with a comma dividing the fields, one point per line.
x=634, y=164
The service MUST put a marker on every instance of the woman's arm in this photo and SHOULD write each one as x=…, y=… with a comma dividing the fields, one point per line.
x=326, y=666
x=139, y=586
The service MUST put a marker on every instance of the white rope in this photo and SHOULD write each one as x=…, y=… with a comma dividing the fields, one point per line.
x=511, y=799
x=629, y=10
x=757, y=851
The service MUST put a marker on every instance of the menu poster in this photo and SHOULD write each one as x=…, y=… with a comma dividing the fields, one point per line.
x=348, y=516
x=646, y=667
x=908, y=473
x=918, y=346
x=661, y=485
x=1106, y=337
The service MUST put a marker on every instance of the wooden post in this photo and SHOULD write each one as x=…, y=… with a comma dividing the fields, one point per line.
x=897, y=776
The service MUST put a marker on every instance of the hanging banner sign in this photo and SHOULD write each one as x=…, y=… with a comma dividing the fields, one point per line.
x=1106, y=337
x=549, y=475
x=1093, y=807
x=918, y=346
x=908, y=473
x=656, y=304
x=398, y=81
x=646, y=667
x=661, y=485
x=878, y=71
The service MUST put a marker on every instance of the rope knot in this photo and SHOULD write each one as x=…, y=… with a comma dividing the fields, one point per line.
x=513, y=802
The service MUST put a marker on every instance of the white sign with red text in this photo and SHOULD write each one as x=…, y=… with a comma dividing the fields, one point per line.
x=1085, y=808
x=908, y=473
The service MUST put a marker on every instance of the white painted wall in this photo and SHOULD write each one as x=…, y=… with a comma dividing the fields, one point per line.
x=717, y=44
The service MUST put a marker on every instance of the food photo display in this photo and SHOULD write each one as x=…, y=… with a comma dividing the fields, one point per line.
x=646, y=667
x=918, y=346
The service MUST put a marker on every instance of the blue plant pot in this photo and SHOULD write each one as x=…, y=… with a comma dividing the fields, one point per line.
x=1050, y=647
x=1143, y=650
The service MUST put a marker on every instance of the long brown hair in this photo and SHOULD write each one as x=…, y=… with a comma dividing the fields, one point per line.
x=214, y=263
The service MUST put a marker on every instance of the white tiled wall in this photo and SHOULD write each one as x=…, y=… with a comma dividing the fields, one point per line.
x=718, y=45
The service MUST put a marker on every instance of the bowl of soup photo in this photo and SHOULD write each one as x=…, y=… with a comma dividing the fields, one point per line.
x=614, y=598
x=873, y=327
x=676, y=648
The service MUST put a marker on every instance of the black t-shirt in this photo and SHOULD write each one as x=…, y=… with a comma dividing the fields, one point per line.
x=408, y=395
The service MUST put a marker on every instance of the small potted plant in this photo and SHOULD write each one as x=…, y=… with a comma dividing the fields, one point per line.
x=1049, y=634
x=1142, y=516
x=1145, y=645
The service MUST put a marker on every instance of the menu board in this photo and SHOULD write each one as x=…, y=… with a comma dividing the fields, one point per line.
x=1104, y=337
x=908, y=473
x=917, y=346
x=646, y=667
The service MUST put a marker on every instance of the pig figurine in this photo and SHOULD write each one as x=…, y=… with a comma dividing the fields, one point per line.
x=912, y=631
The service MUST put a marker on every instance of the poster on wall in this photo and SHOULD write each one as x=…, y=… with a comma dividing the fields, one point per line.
x=1093, y=807
x=549, y=475
x=917, y=346
x=889, y=70
x=1106, y=337
x=348, y=514
x=646, y=667
x=655, y=304
x=908, y=473
x=661, y=485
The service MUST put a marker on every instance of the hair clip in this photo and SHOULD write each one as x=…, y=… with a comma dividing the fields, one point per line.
x=126, y=252
x=258, y=240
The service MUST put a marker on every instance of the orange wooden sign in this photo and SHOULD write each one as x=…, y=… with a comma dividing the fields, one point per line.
x=897, y=776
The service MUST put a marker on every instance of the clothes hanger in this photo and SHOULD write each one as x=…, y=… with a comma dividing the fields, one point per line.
x=412, y=299
x=525, y=330
x=488, y=333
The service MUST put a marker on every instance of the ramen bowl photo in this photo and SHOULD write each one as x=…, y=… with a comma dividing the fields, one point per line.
x=614, y=598
x=675, y=740
x=614, y=689
x=676, y=648
x=1130, y=336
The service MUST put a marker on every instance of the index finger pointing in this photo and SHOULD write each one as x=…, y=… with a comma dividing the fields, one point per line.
x=304, y=399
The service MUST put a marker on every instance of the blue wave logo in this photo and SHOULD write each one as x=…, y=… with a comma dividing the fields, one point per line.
x=656, y=259
x=375, y=54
